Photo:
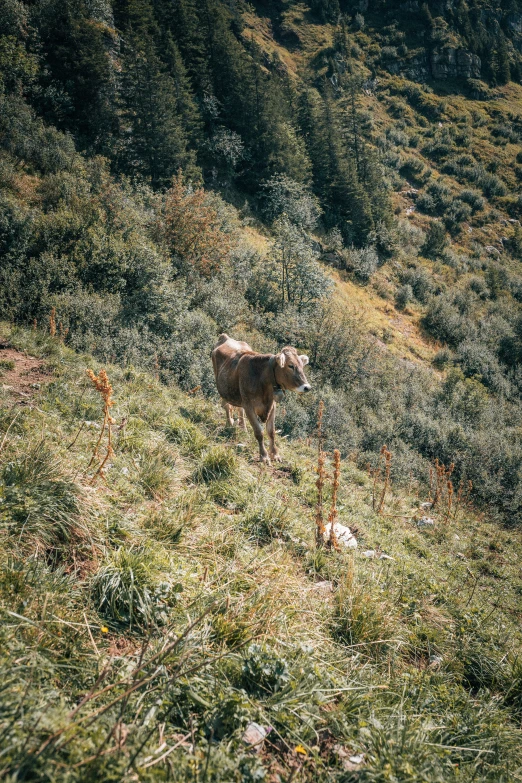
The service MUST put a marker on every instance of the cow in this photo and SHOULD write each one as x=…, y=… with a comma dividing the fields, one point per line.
x=254, y=382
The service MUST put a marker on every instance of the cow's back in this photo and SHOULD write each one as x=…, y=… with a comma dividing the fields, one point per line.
x=225, y=360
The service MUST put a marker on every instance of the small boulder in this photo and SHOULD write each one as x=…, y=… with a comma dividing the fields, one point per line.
x=343, y=534
x=254, y=735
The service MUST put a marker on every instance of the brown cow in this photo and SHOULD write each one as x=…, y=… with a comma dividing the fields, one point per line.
x=254, y=382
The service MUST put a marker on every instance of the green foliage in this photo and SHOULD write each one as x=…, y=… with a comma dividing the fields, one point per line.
x=435, y=242
x=40, y=505
x=126, y=591
x=218, y=463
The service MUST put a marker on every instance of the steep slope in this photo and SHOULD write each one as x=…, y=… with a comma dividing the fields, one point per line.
x=182, y=598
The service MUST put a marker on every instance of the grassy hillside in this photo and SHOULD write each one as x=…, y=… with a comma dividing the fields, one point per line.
x=151, y=614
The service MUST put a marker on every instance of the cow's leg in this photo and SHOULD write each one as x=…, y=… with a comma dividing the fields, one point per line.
x=270, y=428
x=241, y=421
x=258, y=432
x=228, y=412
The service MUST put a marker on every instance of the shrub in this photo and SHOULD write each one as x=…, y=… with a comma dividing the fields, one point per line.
x=420, y=282
x=363, y=262
x=403, y=296
x=444, y=322
x=435, y=242
x=473, y=198
x=282, y=195
x=455, y=215
x=219, y=462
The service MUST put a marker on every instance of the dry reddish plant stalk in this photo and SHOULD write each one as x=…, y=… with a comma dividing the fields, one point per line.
x=332, y=517
x=387, y=456
x=102, y=385
x=384, y=465
x=321, y=474
x=441, y=485
x=52, y=322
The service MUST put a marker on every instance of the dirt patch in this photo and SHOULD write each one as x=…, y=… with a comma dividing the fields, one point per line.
x=20, y=374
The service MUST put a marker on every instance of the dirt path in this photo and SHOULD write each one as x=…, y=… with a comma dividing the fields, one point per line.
x=27, y=375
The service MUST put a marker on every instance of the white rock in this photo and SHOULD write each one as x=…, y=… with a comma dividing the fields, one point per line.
x=125, y=471
x=423, y=521
x=425, y=506
x=382, y=556
x=370, y=553
x=254, y=734
x=325, y=586
x=358, y=759
x=343, y=535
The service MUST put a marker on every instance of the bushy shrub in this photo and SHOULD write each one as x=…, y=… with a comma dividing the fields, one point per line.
x=420, y=281
x=473, y=198
x=435, y=242
x=444, y=322
x=363, y=262
x=403, y=296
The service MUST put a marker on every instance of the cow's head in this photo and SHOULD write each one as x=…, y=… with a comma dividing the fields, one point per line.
x=289, y=370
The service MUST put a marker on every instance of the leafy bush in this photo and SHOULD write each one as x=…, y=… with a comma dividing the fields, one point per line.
x=435, y=242
x=420, y=282
x=403, y=296
x=363, y=262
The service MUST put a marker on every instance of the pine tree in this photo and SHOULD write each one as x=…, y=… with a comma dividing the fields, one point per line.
x=154, y=143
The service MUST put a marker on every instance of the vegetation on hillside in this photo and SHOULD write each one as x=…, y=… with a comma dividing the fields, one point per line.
x=152, y=613
x=340, y=176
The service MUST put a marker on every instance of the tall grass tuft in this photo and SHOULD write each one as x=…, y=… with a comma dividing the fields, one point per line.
x=218, y=462
x=125, y=590
x=39, y=503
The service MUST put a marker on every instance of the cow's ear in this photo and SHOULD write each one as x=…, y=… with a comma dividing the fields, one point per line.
x=304, y=359
x=281, y=359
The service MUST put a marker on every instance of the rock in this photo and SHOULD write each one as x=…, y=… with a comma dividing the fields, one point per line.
x=426, y=506
x=382, y=556
x=254, y=735
x=324, y=586
x=370, y=553
x=349, y=763
x=451, y=63
x=425, y=521
x=492, y=250
x=436, y=661
x=343, y=535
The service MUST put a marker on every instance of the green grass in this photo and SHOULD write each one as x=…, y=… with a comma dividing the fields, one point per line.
x=148, y=618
